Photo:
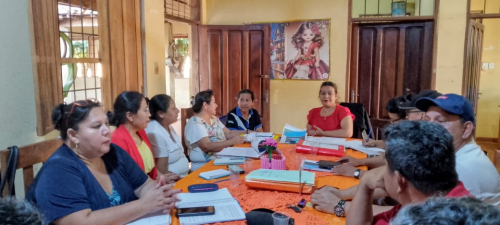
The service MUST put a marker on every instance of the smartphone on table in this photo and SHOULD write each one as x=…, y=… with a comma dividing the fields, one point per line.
x=196, y=211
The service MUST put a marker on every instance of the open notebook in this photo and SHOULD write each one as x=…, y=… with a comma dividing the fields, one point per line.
x=226, y=207
x=158, y=218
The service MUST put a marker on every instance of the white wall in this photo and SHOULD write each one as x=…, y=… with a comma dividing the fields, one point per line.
x=17, y=98
x=154, y=46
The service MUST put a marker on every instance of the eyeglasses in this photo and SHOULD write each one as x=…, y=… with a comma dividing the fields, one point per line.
x=81, y=103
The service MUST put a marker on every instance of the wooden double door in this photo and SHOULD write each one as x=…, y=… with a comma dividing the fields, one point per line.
x=231, y=58
x=389, y=60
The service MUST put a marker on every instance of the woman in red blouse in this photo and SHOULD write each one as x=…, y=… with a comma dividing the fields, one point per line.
x=331, y=119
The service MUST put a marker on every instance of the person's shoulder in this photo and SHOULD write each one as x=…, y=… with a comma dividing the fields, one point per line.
x=232, y=111
x=152, y=127
x=255, y=111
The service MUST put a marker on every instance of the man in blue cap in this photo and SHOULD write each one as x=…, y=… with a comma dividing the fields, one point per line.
x=456, y=114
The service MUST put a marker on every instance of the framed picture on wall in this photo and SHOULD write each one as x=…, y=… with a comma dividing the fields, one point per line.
x=399, y=8
x=300, y=50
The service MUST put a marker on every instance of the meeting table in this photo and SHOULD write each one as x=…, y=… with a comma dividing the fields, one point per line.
x=250, y=198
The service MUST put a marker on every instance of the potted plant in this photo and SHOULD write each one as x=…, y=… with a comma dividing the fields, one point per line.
x=273, y=159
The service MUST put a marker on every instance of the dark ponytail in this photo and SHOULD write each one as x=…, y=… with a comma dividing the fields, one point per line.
x=128, y=101
x=69, y=116
x=200, y=98
x=159, y=103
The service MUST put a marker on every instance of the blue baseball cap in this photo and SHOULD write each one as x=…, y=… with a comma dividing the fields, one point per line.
x=451, y=103
x=412, y=99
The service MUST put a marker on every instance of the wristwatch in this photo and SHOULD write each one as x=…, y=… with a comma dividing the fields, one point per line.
x=357, y=173
x=339, y=209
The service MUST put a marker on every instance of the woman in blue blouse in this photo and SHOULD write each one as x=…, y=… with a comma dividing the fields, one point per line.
x=88, y=180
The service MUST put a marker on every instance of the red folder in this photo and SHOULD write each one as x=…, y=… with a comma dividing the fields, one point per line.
x=339, y=152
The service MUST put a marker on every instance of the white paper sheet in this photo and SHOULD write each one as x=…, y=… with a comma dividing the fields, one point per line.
x=358, y=145
x=157, y=218
x=226, y=207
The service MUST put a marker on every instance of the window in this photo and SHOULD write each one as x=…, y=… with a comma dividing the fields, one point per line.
x=79, y=40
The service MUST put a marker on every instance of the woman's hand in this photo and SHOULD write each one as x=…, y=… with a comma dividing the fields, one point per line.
x=311, y=132
x=319, y=131
x=161, y=198
x=238, y=140
x=171, y=177
x=316, y=64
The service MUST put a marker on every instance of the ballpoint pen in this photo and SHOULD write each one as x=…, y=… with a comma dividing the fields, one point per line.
x=369, y=133
x=300, y=180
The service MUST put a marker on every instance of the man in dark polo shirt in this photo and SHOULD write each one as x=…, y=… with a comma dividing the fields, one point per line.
x=244, y=117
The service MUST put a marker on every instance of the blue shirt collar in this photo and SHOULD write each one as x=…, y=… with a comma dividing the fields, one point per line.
x=238, y=112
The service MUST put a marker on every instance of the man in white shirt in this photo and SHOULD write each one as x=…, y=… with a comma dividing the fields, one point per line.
x=475, y=170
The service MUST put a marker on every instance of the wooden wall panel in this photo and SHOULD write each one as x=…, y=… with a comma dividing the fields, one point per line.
x=390, y=67
x=235, y=69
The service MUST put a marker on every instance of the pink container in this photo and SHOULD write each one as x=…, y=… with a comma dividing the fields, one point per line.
x=278, y=162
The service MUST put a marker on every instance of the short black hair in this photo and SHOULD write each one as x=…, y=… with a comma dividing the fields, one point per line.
x=448, y=211
x=423, y=153
x=19, y=212
x=200, y=98
x=246, y=91
x=68, y=116
x=159, y=103
x=127, y=101
x=393, y=106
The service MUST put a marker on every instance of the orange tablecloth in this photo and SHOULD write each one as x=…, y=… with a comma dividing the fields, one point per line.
x=255, y=198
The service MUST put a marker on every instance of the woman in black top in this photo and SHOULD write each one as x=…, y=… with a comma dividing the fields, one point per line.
x=243, y=117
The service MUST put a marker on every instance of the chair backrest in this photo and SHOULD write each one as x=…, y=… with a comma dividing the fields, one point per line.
x=28, y=156
x=186, y=113
x=361, y=121
x=223, y=119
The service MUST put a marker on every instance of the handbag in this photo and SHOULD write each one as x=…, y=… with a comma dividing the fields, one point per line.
x=10, y=172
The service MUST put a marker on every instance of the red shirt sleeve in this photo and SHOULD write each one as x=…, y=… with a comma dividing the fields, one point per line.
x=343, y=112
x=310, y=116
x=385, y=217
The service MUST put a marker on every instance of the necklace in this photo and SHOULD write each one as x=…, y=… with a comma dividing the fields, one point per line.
x=327, y=112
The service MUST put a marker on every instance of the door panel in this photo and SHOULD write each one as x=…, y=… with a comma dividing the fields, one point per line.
x=472, y=65
x=389, y=60
x=232, y=58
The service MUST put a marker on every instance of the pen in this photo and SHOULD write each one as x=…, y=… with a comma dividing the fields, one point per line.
x=369, y=133
x=220, y=180
x=300, y=180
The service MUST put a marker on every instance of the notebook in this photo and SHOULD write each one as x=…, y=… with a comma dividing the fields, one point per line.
x=230, y=160
x=158, y=218
x=291, y=176
x=252, y=152
x=214, y=174
x=358, y=145
x=226, y=207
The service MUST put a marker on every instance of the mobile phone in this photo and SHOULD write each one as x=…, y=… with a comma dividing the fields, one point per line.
x=196, y=211
x=324, y=164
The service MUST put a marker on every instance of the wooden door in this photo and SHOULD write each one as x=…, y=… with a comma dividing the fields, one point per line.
x=232, y=58
x=472, y=62
x=389, y=60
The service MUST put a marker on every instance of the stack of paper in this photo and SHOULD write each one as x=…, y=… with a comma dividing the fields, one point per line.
x=226, y=207
x=214, y=174
x=229, y=160
x=327, y=140
x=292, y=176
x=238, y=151
x=358, y=145
x=292, y=135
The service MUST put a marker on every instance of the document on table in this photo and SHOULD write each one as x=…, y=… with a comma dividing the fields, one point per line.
x=321, y=145
x=327, y=140
x=158, y=218
x=238, y=151
x=358, y=145
x=292, y=135
x=282, y=175
x=226, y=207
